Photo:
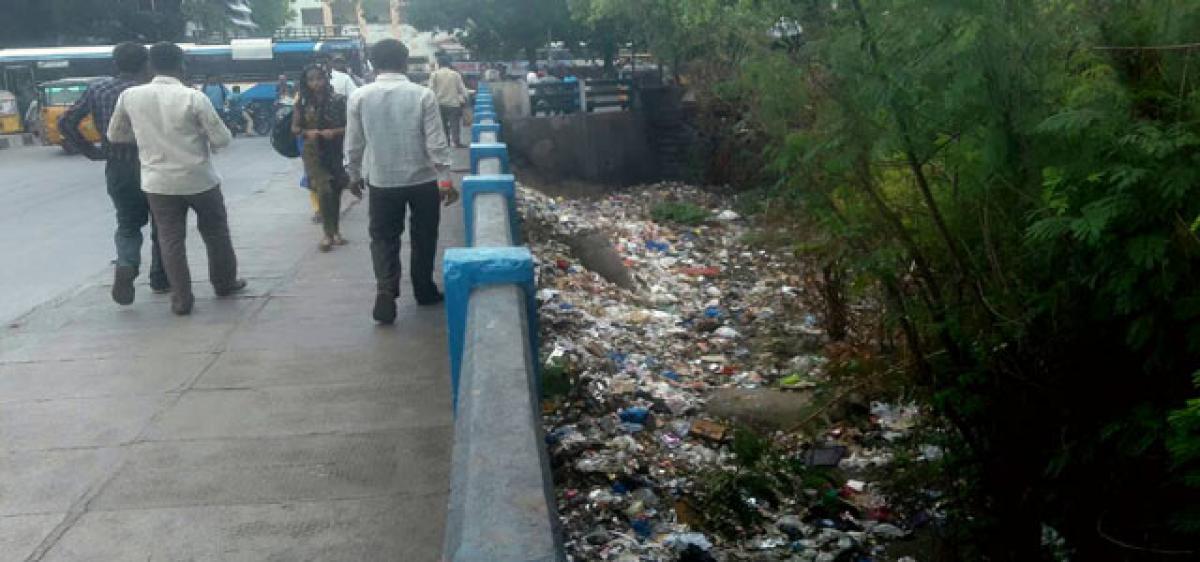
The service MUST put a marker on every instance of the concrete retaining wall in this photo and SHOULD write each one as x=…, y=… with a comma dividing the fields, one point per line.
x=511, y=99
x=609, y=149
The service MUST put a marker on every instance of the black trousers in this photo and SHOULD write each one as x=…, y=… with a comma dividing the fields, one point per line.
x=388, y=205
x=124, y=180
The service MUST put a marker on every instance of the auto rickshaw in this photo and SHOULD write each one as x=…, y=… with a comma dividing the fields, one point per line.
x=55, y=98
x=10, y=114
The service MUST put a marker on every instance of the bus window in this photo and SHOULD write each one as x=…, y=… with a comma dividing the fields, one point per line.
x=64, y=96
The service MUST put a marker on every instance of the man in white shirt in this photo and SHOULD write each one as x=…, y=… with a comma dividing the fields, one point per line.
x=492, y=74
x=448, y=85
x=177, y=130
x=341, y=80
x=395, y=144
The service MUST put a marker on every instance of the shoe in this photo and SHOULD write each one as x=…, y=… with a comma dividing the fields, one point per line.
x=122, y=291
x=385, y=308
x=338, y=240
x=182, y=306
x=160, y=289
x=435, y=299
x=237, y=287
x=325, y=245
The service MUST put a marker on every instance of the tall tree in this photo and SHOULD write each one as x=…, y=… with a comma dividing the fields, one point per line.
x=60, y=22
x=497, y=28
x=271, y=14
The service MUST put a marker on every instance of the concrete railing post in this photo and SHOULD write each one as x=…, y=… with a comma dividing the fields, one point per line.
x=486, y=117
x=505, y=186
x=464, y=269
x=478, y=133
x=485, y=151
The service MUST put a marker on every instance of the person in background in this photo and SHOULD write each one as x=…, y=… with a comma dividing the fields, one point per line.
x=396, y=145
x=451, y=93
x=341, y=78
x=121, y=170
x=285, y=96
x=492, y=74
x=283, y=90
x=177, y=129
x=570, y=78
x=320, y=118
x=238, y=108
x=33, y=118
x=216, y=92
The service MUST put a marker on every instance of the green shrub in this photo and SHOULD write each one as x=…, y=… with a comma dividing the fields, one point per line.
x=679, y=212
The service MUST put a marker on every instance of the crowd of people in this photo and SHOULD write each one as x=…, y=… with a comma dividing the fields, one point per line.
x=387, y=138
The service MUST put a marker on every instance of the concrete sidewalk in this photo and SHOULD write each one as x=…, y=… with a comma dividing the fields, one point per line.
x=280, y=425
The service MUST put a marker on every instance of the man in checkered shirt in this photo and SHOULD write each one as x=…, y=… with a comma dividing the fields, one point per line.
x=121, y=171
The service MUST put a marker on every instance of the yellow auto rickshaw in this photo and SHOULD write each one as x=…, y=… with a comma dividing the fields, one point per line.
x=10, y=114
x=55, y=98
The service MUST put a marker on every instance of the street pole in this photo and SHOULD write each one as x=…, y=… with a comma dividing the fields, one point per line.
x=398, y=14
x=327, y=16
x=362, y=21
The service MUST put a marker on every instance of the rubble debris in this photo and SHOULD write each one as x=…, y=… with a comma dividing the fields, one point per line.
x=634, y=438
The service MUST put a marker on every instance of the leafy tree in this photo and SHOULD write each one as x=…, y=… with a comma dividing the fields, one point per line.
x=604, y=33
x=212, y=16
x=208, y=15
x=1026, y=202
x=59, y=22
x=272, y=14
x=496, y=28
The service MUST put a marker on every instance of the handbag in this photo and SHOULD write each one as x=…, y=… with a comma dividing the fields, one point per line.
x=282, y=139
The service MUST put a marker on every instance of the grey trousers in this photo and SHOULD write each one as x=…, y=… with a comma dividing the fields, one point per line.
x=452, y=123
x=170, y=212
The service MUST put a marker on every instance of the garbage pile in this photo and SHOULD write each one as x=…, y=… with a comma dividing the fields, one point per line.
x=642, y=471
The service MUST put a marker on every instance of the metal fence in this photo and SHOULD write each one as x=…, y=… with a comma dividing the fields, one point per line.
x=562, y=98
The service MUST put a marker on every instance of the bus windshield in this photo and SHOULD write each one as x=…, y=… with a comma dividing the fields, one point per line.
x=64, y=95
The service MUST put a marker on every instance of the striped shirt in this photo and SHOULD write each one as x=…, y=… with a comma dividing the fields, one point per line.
x=99, y=101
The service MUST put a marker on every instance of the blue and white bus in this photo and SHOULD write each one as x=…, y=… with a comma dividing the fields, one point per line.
x=255, y=64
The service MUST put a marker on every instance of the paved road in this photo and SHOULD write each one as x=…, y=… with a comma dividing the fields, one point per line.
x=56, y=223
x=279, y=425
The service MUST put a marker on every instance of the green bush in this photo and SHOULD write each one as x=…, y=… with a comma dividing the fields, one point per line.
x=679, y=212
x=1025, y=204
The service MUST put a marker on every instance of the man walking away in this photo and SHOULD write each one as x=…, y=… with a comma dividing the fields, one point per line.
x=447, y=83
x=395, y=144
x=340, y=78
x=121, y=171
x=216, y=92
x=177, y=129
x=492, y=74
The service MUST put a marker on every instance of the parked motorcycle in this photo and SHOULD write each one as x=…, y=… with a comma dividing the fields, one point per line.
x=235, y=121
